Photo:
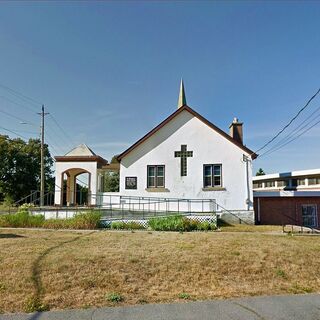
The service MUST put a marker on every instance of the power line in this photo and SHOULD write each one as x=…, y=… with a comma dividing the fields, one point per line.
x=289, y=123
x=21, y=95
x=15, y=117
x=295, y=130
x=61, y=128
x=295, y=138
x=34, y=102
x=19, y=104
x=17, y=134
x=54, y=142
x=59, y=134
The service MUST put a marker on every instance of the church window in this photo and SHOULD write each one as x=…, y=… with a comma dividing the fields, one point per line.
x=212, y=175
x=155, y=177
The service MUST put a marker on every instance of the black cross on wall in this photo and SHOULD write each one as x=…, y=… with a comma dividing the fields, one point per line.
x=183, y=154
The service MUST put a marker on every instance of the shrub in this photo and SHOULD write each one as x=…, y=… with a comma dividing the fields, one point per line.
x=130, y=225
x=21, y=219
x=84, y=220
x=206, y=226
x=179, y=223
x=57, y=224
x=173, y=223
x=114, y=297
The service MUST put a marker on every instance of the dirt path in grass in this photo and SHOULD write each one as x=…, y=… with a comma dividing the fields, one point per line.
x=35, y=302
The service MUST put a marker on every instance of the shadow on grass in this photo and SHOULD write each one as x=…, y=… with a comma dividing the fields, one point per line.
x=36, y=302
x=222, y=223
x=10, y=235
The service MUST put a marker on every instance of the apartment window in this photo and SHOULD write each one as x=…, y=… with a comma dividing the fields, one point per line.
x=257, y=185
x=282, y=183
x=212, y=175
x=155, y=178
x=313, y=181
x=269, y=184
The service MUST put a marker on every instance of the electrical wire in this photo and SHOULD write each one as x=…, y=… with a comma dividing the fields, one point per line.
x=18, y=104
x=61, y=128
x=35, y=103
x=289, y=123
x=17, y=118
x=295, y=138
x=295, y=131
x=21, y=95
x=17, y=134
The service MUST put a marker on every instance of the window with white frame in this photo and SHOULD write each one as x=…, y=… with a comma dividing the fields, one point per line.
x=155, y=176
x=212, y=175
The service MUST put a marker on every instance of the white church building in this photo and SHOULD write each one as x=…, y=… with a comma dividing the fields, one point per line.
x=184, y=157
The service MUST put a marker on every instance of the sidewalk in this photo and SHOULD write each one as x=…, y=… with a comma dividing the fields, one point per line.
x=295, y=307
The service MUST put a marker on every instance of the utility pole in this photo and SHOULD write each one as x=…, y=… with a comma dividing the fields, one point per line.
x=42, y=180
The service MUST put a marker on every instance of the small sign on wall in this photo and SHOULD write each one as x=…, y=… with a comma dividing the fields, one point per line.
x=131, y=182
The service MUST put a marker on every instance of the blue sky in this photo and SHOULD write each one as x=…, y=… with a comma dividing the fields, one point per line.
x=109, y=71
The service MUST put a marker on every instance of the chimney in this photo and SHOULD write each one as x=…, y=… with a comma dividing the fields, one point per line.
x=236, y=130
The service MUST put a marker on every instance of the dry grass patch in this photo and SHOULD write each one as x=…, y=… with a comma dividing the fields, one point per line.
x=56, y=270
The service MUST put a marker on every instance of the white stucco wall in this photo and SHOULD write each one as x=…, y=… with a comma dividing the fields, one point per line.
x=208, y=147
x=62, y=167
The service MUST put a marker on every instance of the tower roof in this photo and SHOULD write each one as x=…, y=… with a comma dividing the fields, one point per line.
x=81, y=153
x=182, y=101
x=81, y=150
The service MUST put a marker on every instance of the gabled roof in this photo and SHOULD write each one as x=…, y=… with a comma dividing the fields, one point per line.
x=201, y=118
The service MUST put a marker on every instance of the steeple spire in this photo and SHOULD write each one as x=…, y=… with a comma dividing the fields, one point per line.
x=182, y=96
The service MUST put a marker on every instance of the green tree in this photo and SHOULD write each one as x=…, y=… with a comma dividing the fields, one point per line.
x=20, y=167
x=111, y=181
x=260, y=172
x=114, y=159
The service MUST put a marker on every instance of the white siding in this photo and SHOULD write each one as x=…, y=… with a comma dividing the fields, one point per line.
x=208, y=147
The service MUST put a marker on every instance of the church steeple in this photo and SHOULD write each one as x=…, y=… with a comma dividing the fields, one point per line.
x=182, y=96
